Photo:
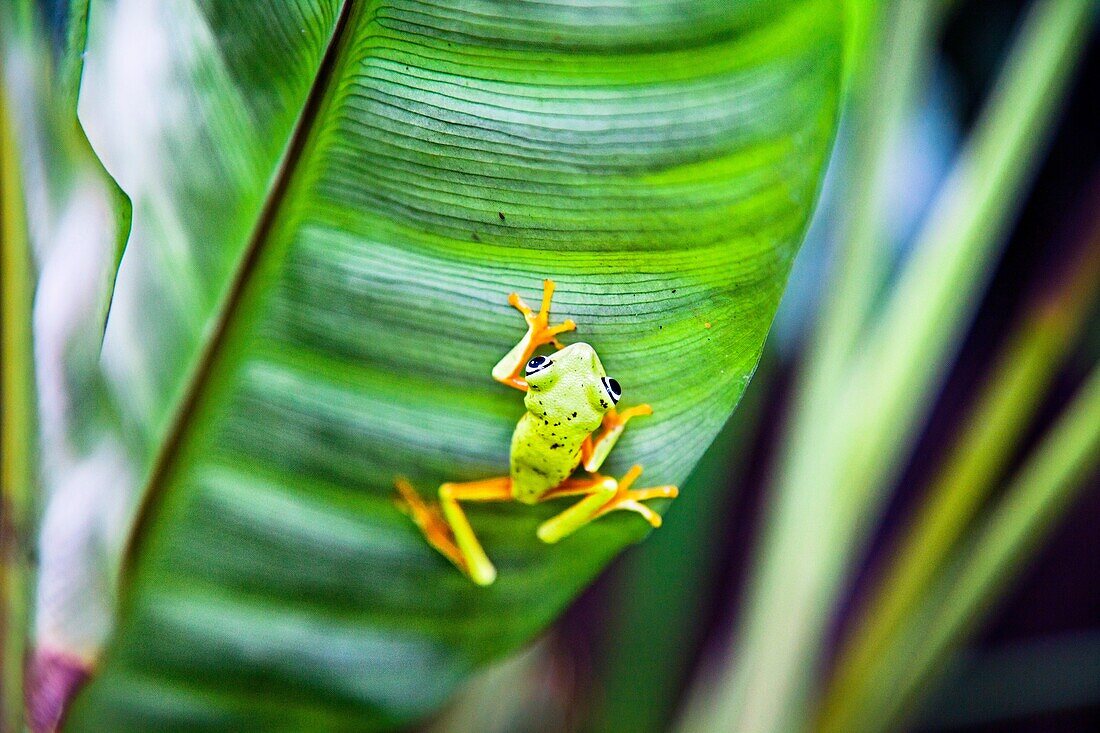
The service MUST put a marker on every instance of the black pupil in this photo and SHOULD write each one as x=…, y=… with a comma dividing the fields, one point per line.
x=537, y=361
x=613, y=384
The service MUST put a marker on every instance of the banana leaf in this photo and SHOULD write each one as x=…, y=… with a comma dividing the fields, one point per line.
x=331, y=202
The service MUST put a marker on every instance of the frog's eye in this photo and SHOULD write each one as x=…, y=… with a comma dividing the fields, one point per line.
x=611, y=386
x=537, y=365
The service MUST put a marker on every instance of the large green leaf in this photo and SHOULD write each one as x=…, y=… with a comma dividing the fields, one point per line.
x=331, y=202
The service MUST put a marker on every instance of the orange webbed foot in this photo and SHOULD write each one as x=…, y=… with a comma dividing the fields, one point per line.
x=539, y=329
x=629, y=499
x=539, y=333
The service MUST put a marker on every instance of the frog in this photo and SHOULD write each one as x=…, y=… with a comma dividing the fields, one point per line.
x=572, y=421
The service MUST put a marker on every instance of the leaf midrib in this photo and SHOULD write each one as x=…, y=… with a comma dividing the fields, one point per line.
x=228, y=312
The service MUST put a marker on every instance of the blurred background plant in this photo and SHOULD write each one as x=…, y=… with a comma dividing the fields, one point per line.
x=896, y=528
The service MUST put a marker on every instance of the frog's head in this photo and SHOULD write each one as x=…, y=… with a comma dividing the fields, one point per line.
x=571, y=385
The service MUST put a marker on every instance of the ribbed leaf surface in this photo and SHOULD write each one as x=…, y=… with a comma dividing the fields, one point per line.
x=331, y=203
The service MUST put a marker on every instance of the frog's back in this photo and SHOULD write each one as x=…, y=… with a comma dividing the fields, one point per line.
x=544, y=454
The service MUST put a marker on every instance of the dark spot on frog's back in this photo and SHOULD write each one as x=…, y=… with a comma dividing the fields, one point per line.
x=603, y=404
x=555, y=446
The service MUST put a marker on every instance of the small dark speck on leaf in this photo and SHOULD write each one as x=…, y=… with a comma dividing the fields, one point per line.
x=674, y=290
x=501, y=215
x=474, y=236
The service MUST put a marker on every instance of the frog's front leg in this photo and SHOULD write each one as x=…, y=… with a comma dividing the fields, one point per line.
x=539, y=333
x=594, y=451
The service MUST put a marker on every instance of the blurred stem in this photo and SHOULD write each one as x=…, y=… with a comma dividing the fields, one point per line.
x=72, y=54
x=668, y=582
x=1039, y=495
x=884, y=101
x=66, y=94
x=1009, y=399
x=862, y=20
x=16, y=421
x=884, y=90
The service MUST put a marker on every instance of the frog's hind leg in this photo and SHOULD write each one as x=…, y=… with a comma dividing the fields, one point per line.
x=539, y=333
x=451, y=533
x=478, y=566
x=603, y=495
x=435, y=528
